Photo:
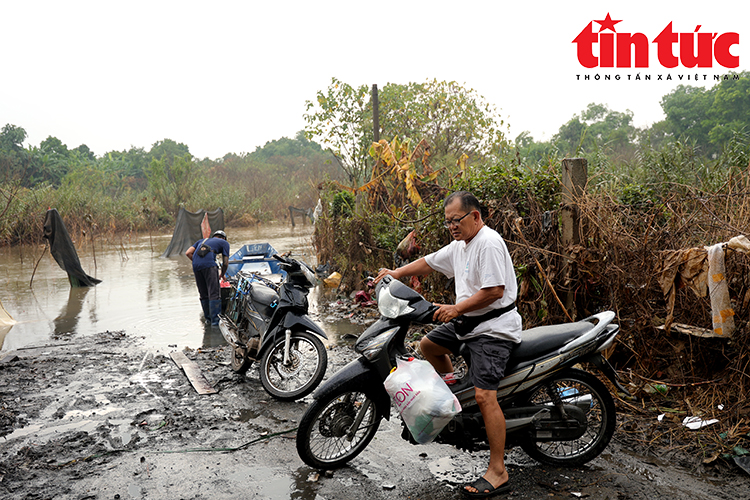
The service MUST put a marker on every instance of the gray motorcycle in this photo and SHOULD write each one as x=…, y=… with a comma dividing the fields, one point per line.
x=269, y=323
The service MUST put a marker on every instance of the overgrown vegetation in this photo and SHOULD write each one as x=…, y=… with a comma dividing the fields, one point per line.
x=643, y=198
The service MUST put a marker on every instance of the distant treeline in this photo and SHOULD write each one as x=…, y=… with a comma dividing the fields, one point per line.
x=138, y=189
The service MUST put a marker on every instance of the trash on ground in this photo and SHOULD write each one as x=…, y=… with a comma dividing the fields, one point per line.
x=695, y=423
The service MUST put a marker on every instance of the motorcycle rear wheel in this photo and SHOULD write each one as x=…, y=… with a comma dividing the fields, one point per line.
x=296, y=379
x=239, y=360
x=600, y=418
x=324, y=431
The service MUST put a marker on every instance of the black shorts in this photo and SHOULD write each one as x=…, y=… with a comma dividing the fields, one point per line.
x=489, y=355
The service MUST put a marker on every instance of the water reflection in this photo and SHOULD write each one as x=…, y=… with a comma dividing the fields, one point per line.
x=67, y=320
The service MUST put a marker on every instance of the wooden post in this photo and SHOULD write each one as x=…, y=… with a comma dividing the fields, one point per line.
x=291, y=215
x=574, y=178
x=375, y=114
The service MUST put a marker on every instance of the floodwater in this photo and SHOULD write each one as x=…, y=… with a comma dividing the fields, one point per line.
x=141, y=293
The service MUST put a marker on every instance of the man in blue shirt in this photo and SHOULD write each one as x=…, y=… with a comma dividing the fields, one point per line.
x=203, y=254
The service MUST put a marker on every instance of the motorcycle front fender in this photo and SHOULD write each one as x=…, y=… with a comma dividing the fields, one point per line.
x=302, y=321
x=290, y=321
x=358, y=374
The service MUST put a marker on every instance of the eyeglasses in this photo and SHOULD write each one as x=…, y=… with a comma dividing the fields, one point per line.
x=454, y=222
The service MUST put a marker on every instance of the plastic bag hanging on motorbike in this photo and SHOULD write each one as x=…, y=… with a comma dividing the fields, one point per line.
x=425, y=402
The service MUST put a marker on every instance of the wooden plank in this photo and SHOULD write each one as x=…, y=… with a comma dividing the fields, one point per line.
x=193, y=373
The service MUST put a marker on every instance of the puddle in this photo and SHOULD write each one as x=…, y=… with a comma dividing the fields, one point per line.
x=247, y=415
x=122, y=430
x=42, y=436
x=95, y=412
x=268, y=483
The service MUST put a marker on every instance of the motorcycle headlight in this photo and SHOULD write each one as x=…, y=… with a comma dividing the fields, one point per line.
x=373, y=347
x=392, y=307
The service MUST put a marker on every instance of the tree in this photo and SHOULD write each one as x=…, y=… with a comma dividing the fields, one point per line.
x=453, y=120
x=709, y=117
x=167, y=149
x=597, y=126
x=687, y=114
x=171, y=174
x=12, y=153
x=341, y=119
x=730, y=110
x=11, y=139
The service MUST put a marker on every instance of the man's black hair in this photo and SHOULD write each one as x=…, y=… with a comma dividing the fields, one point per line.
x=469, y=202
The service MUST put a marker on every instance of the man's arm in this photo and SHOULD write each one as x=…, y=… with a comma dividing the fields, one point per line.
x=417, y=268
x=482, y=298
x=190, y=252
x=224, y=265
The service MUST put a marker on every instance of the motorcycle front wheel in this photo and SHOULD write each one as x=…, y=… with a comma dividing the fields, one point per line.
x=301, y=373
x=336, y=428
x=574, y=386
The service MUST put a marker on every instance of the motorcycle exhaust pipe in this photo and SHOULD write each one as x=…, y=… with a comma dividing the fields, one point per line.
x=228, y=333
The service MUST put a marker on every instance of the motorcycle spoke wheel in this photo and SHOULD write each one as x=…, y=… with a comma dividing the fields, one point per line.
x=574, y=385
x=327, y=438
x=301, y=374
x=239, y=360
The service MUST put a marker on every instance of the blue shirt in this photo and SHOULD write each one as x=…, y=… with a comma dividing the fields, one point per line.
x=218, y=245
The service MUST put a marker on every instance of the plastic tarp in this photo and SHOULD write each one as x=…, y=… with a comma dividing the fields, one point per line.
x=63, y=250
x=187, y=229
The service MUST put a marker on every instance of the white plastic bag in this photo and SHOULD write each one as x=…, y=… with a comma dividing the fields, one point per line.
x=424, y=401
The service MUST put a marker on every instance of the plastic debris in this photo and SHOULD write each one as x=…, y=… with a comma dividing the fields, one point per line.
x=695, y=423
x=333, y=280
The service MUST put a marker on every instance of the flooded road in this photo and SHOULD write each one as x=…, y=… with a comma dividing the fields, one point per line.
x=141, y=293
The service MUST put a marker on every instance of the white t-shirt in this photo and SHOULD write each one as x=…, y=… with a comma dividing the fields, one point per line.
x=482, y=263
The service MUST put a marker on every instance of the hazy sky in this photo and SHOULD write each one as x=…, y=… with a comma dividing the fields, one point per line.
x=229, y=76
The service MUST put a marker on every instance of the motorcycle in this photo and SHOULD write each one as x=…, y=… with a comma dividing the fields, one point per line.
x=269, y=323
x=556, y=412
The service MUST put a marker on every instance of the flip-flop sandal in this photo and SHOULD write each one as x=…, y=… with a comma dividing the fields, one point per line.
x=481, y=485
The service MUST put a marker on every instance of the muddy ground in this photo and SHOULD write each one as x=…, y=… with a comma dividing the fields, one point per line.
x=100, y=417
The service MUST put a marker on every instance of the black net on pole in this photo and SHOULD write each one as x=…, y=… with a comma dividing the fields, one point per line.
x=187, y=229
x=62, y=249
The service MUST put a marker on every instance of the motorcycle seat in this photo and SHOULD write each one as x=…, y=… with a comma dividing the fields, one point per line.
x=262, y=294
x=540, y=340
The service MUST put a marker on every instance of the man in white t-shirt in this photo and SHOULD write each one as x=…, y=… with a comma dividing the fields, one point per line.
x=485, y=319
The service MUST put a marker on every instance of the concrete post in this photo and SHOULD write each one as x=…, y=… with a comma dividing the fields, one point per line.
x=574, y=178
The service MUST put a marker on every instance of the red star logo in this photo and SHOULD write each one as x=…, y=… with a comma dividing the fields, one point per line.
x=607, y=24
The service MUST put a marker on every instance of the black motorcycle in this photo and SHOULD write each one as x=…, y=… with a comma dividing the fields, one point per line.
x=269, y=323
x=558, y=413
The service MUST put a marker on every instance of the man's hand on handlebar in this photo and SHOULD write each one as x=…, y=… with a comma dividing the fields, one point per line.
x=383, y=273
x=445, y=312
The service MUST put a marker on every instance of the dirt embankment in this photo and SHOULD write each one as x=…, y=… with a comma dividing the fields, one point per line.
x=99, y=417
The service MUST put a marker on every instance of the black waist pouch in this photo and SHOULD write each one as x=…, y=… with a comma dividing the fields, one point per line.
x=203, y=249
x=464, y=325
